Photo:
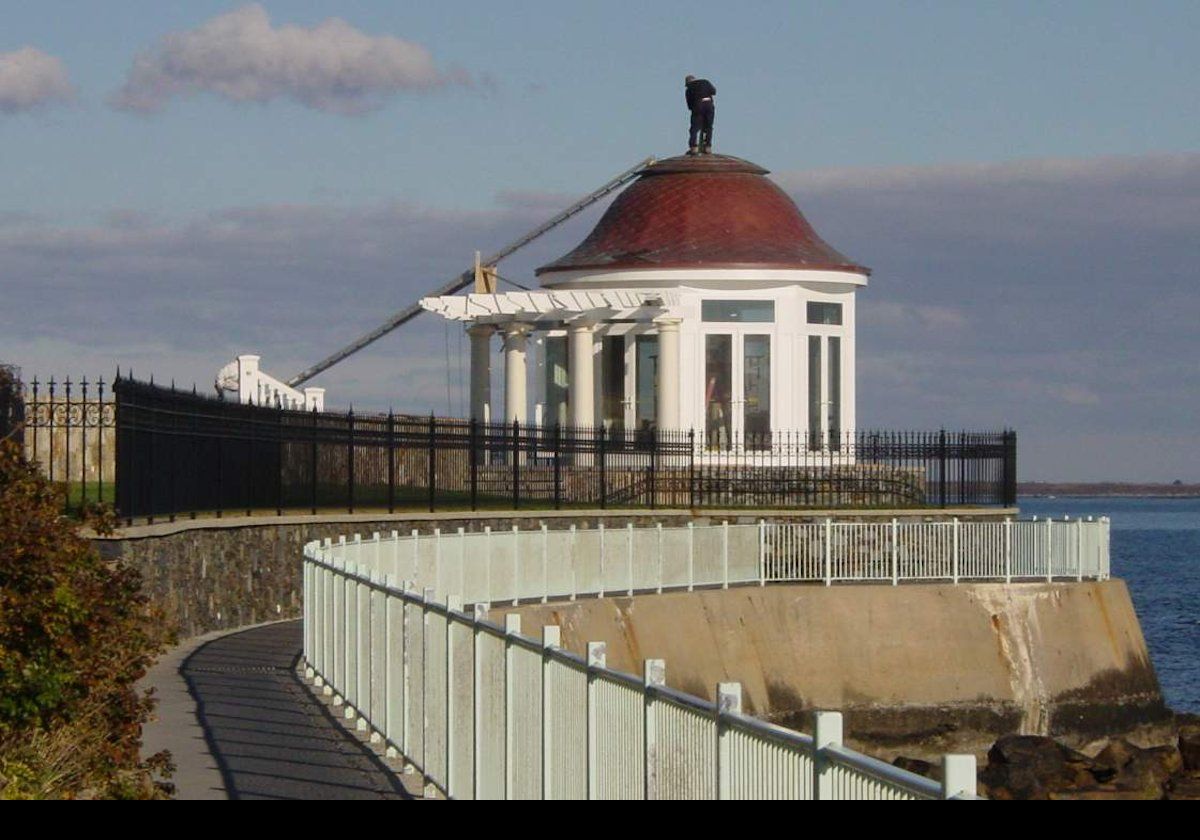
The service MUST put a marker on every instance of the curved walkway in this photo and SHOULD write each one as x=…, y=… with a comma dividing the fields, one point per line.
x=241, y=724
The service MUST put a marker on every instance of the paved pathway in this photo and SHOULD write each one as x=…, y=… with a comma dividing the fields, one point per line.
x=241, y=725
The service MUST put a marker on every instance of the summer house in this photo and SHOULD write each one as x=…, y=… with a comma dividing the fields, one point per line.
x=702, y=300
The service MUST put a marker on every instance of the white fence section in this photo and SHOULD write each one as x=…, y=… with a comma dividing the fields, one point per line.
x=492, y=566
x=484, y=712
x=252, y=384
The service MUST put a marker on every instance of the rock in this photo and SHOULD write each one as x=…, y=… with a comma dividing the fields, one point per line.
x=1184, y=787
x=1189, y=747
x=1034, y=767
x=1103, y=792
x=922, y=768
x=1143, y=771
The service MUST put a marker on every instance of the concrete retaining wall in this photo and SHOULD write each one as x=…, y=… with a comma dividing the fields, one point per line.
x=917, y=669
x=220, y=574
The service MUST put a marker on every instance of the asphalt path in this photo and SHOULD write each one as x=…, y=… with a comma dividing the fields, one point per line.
x=241, y=724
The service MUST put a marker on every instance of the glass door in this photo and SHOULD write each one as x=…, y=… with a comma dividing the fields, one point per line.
x=737, y=392
x=824, y=392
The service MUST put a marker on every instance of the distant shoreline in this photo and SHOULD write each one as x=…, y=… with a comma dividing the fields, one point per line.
x=1112, y=489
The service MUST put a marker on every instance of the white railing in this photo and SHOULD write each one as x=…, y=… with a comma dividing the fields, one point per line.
x=252, y=384
x=484, y=712
x=514, y=565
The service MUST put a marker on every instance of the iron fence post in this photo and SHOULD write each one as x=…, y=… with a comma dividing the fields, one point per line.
x=391, y=464
x=942, y=467
x=692, y=468
x=473, y=459
x=603, y=478
x=557, y=466
x=278, y=457
x=516, y=464
x=350, y=459
x=432, y=462
x=313, y=460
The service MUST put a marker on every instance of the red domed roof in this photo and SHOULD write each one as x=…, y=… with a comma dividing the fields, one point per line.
x=708, y=211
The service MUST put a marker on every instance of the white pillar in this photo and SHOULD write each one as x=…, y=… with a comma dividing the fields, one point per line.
x=314, y=398
x=668, y=373
x=248, y=380
x=481, y=370
x=579, y=388
x=515, y=340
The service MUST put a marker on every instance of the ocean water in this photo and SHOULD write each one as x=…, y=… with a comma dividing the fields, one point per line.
x=1156, y=550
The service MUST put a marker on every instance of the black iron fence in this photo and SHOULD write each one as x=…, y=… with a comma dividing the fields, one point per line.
x=181, y=454
x=68, y=429
x=12, y=404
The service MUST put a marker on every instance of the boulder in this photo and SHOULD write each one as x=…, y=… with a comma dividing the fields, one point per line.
x=1142, y=771
x=1185, y=786
x=1034, y=767
x=1189, y=746
x=916, y=765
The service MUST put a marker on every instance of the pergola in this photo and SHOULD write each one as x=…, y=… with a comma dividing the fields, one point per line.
x=516, y=314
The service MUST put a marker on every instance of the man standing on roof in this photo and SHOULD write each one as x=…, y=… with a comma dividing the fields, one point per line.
x=699, y=95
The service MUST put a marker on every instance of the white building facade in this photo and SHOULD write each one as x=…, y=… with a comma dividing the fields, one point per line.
x=702, y=300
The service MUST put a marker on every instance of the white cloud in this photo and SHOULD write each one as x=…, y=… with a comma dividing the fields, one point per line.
x=241, y=57
x=30, y=78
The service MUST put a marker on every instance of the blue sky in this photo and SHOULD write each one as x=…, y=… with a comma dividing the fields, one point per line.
x=1023, y=178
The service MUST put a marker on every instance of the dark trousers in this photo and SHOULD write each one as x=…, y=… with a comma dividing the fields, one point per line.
x=702, y=123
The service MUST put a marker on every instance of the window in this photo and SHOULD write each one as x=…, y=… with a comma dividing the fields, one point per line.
x=824, y=313
x=738, y=311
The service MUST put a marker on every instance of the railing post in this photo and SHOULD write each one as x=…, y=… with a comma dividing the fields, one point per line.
x=729, y=702
x=895, y=552
x=603, y=476
x=428, y=594
x=600, y=529
x=1049, y=549
x=1079, y=549
x=691, y=532
x=1008, y=547
x=958, y=776
x=551, y=639
x=571, y=554
x=725, y=554
x=828, y=551
x=827, y=732
x=658, y=534
x=453, y=604
x=629, y=556
x=479, y=614
x=762, y=552
x=654, y=675
x=545, y=563
x=512, y=627
x=954, y=557
x=597, y=658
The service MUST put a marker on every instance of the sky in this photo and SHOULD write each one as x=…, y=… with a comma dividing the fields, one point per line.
x=186, y=182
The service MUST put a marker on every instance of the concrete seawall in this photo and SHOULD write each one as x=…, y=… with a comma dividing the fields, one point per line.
x=221, y=574
x=916, y=669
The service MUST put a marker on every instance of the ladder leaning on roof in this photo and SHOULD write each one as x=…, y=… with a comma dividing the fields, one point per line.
x=469, y=276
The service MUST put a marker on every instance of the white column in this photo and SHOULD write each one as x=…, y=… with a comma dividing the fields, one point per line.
x=515, y=341
x=481, y=370
x=579, y=388
x=668, y=373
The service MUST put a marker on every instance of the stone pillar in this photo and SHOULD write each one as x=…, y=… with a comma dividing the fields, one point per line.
x=580, y=396
x=668, y=374
x=515, y=340
x=481, y=370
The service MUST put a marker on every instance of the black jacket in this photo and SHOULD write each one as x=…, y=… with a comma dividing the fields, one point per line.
x=698, y=89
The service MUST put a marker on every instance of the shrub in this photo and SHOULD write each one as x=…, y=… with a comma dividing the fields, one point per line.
x=76, y=633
